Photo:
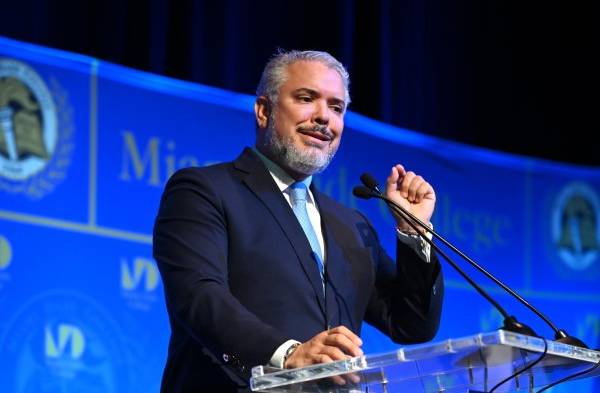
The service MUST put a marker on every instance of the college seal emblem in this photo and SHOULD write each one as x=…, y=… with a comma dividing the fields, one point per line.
x=35, y=131
x=575, y=226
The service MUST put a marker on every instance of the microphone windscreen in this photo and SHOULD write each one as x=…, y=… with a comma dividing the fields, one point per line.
x=362, y=192
x=368, y=181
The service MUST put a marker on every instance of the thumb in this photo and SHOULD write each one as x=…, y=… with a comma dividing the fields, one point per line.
x=391, y=183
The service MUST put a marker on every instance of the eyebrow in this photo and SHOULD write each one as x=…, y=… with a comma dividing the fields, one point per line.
x=315, y=93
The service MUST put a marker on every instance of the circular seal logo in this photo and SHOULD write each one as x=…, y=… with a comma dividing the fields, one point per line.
x=5, y=253
x=63, y=341
x=576, y=226
x=35, y=131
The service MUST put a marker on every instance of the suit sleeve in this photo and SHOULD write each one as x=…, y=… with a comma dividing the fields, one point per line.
x=406, y=301
x=190, y=245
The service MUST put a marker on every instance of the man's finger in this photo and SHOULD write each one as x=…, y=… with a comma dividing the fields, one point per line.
x=400, y=169
x=423, y=190
x=346, y=332
x=352, y=378
x=405, y=184
x=391, y=183
x=323, y=358
x=344, y=343
x=333, y=353
x=413, y=188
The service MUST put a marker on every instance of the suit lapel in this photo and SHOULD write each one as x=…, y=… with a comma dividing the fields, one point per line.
x=335, y=263
x=259, y=181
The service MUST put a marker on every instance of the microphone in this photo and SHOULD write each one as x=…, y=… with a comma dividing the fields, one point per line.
x=372, y=190
x=510, y=322
x=362, y=192
x=370, y=183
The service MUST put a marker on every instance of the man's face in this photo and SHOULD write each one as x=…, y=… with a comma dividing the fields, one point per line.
x=302, y=131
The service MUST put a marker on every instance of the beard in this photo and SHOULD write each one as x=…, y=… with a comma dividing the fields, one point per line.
x=307, y=161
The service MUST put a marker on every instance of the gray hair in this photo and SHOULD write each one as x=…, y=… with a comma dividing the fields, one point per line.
x=274, y=75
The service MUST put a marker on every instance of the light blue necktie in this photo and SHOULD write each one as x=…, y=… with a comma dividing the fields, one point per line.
x=297, y=192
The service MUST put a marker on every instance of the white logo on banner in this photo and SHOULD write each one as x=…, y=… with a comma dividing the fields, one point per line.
x=575, y=225
x=139, y=280
x=69, y=341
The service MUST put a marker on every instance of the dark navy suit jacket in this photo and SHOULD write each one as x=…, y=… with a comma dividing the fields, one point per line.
x=240, y=278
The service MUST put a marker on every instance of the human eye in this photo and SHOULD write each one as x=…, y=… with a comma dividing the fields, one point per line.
x=338, y=108
x=304, y=98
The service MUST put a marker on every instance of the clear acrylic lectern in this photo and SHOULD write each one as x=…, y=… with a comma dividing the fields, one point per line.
x=469, y=364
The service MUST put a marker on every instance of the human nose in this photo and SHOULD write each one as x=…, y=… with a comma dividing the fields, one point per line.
x=321, y=113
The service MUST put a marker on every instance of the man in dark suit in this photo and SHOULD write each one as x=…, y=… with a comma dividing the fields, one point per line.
x=259, y=267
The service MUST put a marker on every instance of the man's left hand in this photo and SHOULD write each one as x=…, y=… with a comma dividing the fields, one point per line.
x=413, y=193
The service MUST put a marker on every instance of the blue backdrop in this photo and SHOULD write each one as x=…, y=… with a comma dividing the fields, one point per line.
x=86, y=147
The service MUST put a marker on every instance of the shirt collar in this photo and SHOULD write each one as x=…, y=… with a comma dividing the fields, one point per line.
x=282, y=179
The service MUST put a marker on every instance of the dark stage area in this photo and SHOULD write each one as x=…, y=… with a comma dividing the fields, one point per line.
x=511, y=76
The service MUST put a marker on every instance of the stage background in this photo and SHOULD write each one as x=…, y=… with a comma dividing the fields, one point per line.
x=499, y=74
x=86, y=147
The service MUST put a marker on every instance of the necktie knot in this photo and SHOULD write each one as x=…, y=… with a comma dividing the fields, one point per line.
x=298, y=193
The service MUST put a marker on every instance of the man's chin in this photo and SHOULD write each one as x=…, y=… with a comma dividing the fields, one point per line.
x=310, y=165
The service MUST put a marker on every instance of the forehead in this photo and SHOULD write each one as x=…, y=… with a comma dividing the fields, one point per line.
x=313, y=75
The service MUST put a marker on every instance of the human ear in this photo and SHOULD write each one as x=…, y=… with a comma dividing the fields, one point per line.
x=262, y=110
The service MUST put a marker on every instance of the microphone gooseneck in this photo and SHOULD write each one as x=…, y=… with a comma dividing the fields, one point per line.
x=372, y=190
x=510, y=322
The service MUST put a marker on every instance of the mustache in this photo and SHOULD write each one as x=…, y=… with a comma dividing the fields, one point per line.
x=323, y=129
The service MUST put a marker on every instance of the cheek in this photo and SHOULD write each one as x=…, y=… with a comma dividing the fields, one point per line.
x=294, y=112
x=338, y=126
x=282, y=122
x=291, y=116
